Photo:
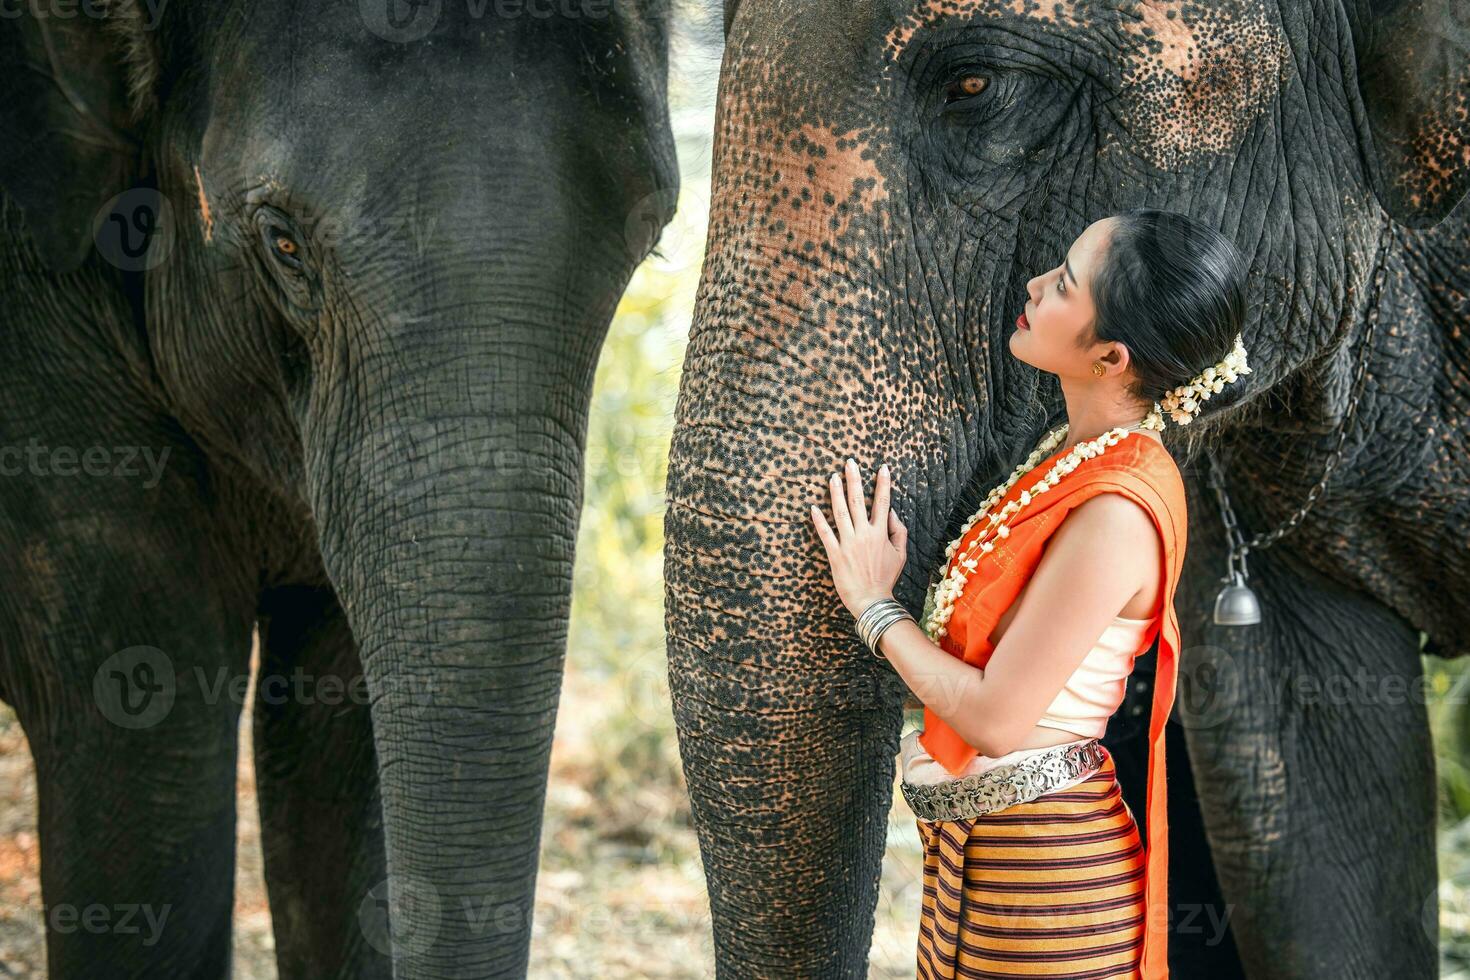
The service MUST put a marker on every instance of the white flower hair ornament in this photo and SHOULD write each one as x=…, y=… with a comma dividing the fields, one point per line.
x=1185, y=402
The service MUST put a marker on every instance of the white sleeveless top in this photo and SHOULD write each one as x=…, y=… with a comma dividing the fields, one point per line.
x=1082, y=707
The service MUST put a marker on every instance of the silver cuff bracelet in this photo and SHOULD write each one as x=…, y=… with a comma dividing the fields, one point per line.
x=1005, y=785
x=877, y=618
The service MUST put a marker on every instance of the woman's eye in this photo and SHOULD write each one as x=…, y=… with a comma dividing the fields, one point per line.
x=966, y=87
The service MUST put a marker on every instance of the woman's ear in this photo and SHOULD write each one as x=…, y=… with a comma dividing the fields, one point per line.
x=1413, y=71
x=68, y=141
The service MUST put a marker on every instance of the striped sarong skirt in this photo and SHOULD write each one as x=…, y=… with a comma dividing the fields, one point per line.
x=1048, y=888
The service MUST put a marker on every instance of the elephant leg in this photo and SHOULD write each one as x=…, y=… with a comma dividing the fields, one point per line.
x=317, y=782
x=137, y=842
x=126, y=636
x=1311, y=751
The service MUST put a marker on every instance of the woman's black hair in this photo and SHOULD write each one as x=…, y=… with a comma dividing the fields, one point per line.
x=1172, y=290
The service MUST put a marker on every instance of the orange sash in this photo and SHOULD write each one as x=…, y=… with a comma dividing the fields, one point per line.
x=1142, y=470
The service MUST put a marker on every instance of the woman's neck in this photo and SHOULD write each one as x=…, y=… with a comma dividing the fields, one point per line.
x=1091, y=425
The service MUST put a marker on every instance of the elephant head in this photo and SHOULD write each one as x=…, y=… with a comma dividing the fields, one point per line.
x=887, y=178
x=384, y=243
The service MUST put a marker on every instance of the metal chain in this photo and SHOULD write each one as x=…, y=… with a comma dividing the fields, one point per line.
x=1238, y=547
x=1233, y=533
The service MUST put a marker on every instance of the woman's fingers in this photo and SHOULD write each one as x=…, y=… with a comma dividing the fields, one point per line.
x=897, y=533
x=824, y=531
x=880, y=498
x=857, y=500
x=840, y=516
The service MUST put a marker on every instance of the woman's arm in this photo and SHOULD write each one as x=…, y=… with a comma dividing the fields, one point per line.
x=1103, y=553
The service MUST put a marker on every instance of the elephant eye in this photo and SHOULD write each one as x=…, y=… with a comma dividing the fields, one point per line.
x=965, y=87
x=285, y=248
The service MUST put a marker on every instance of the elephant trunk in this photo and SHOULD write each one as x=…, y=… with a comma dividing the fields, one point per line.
x=787, y=727
x=447, y=512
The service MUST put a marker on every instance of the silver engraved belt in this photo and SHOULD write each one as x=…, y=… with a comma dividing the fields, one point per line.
x=1005, y=785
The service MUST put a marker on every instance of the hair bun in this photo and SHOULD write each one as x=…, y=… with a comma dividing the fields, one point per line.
x=1184, y=402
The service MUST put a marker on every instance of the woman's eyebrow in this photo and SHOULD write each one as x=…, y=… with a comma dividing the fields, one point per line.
x=1067, y=263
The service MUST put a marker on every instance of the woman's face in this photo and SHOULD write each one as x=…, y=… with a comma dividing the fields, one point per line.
x=1059, y=314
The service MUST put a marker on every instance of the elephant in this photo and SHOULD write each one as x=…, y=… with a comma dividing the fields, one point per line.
x=303, y=304
x=886, y=179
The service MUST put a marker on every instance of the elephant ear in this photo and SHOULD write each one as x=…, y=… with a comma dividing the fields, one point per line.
x=1413, y=60
x=67, y=133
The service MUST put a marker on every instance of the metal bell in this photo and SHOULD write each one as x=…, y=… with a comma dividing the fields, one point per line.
x=1237, y=605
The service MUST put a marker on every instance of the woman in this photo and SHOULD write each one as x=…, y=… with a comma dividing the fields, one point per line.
x=1033, y=863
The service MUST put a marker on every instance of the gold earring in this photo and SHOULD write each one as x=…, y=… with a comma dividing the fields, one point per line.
x=1098, y=369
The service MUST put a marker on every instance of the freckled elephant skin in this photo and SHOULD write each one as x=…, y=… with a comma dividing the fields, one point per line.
x=388, y=262
x=869, y=245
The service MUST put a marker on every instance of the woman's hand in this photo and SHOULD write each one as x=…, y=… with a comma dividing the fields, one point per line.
x=866, y=553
